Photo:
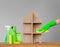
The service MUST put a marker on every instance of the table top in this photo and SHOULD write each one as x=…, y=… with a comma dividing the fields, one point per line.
x=31, y=45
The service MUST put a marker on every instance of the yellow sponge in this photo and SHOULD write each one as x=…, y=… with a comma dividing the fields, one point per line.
x=16, y=42
x=46, y=31
x=41, y=32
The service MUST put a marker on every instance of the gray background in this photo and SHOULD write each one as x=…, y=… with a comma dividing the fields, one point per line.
x=12, y=12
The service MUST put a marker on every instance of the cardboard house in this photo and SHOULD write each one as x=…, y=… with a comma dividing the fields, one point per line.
x=31, y=24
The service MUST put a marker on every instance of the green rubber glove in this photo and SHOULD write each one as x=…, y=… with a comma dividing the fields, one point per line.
x=47, y=26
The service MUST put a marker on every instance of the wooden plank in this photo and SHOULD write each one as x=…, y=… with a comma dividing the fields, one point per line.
x=27, y=28
x=37, y=38
x=28, y=39
x=32, y=45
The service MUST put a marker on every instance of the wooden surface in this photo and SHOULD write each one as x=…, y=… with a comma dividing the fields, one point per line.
x=31, y=24
x=32, y=45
